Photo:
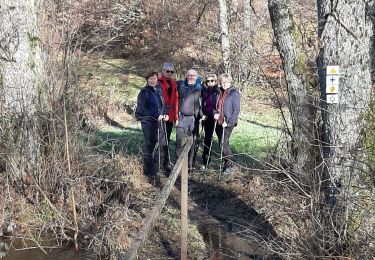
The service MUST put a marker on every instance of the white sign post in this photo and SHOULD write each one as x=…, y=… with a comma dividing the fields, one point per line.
x=332, y=84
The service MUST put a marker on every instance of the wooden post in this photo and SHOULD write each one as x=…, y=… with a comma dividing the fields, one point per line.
x=184, y=208
x=149, y=221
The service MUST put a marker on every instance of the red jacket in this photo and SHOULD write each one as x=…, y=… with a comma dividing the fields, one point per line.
x=170, y=101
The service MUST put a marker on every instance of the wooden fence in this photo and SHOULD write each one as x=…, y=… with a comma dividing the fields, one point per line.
x=153, y=216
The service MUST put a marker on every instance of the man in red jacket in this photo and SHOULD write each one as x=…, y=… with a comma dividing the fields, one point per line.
x=170, y=96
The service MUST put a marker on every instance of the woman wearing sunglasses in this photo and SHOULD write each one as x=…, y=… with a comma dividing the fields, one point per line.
x=170, y=96
x=210, y=98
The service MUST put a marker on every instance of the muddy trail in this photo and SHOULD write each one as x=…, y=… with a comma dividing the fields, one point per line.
x=231, y=229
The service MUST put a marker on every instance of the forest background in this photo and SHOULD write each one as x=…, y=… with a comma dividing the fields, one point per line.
x=70, y=148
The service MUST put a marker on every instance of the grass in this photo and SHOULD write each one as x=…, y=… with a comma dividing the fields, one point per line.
x=114, y=80
x=112, y=140
x=254, y=140
x=258, y=131
x=251, y=140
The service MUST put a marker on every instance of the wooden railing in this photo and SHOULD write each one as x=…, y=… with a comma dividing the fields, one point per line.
x=153, y=216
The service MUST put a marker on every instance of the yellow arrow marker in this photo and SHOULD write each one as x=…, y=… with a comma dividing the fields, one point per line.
x=332, y=88
x=333, y=71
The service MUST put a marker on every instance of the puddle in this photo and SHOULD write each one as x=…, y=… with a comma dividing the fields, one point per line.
x=55, y=254
x=18, y=252
x=231, y=242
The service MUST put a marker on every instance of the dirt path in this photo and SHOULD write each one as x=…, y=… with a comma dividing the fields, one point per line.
x=230, y=228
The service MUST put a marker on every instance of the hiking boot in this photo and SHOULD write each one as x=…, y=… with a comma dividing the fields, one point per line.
x=191, y=169
x=230, y=170
x=154, y=180
x=166, y=168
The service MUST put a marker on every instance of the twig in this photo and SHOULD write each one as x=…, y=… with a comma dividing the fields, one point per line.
x=72, y=187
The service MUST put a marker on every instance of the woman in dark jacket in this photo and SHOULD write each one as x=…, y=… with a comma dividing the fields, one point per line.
x=150, y=112
x=228, y=110
x=210, y=98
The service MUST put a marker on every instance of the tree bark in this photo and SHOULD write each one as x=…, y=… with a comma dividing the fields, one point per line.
x=246, y=50
x=22, y=76
x=345, y=32
x=299, y=88
x=224, y=33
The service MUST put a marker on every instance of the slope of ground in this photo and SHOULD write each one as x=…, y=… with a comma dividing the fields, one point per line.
x=117, y=82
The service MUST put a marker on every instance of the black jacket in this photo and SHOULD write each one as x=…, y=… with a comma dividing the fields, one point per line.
x=214, y=99
x=150, y=104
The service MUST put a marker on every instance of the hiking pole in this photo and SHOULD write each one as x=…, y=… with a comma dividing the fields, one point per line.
x=209, y=150
x=159, y=143
x=221, y=150
x=166, y=140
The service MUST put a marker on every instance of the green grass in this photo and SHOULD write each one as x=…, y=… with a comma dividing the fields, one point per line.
x=253, y=139
x=112, y=140
x=114, y=80
x=258, y=132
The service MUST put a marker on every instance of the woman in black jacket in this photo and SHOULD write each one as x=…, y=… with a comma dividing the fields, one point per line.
x=210, y=98
x=150, y=112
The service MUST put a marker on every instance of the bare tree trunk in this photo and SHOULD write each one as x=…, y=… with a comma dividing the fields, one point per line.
x=246, y=50
x=345, y=32
x=299, y=89
x=21, y=68
x=224, y=32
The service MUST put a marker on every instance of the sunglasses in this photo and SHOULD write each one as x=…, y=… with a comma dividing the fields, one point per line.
x=169, y=71
x=210, y=80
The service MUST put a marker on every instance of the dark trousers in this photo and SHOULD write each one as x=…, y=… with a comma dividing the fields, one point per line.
x=169, y=127
x=209, y=128
x=224, y=144
x=187, y=126
x=193, y=152
x=153, y=133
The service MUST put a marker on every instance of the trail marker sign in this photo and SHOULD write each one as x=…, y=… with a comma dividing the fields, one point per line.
x=333, y=70
x=332, y=80
x=332, y=99
x=332, y=89
x=332, y=84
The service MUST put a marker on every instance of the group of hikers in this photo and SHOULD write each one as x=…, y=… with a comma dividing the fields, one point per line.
x=185, y=104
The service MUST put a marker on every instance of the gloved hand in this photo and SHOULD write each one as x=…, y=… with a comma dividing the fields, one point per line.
x=203, y=118
x=216, y=116
x=224, y=124
x=160, y=117
x=166, y=117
